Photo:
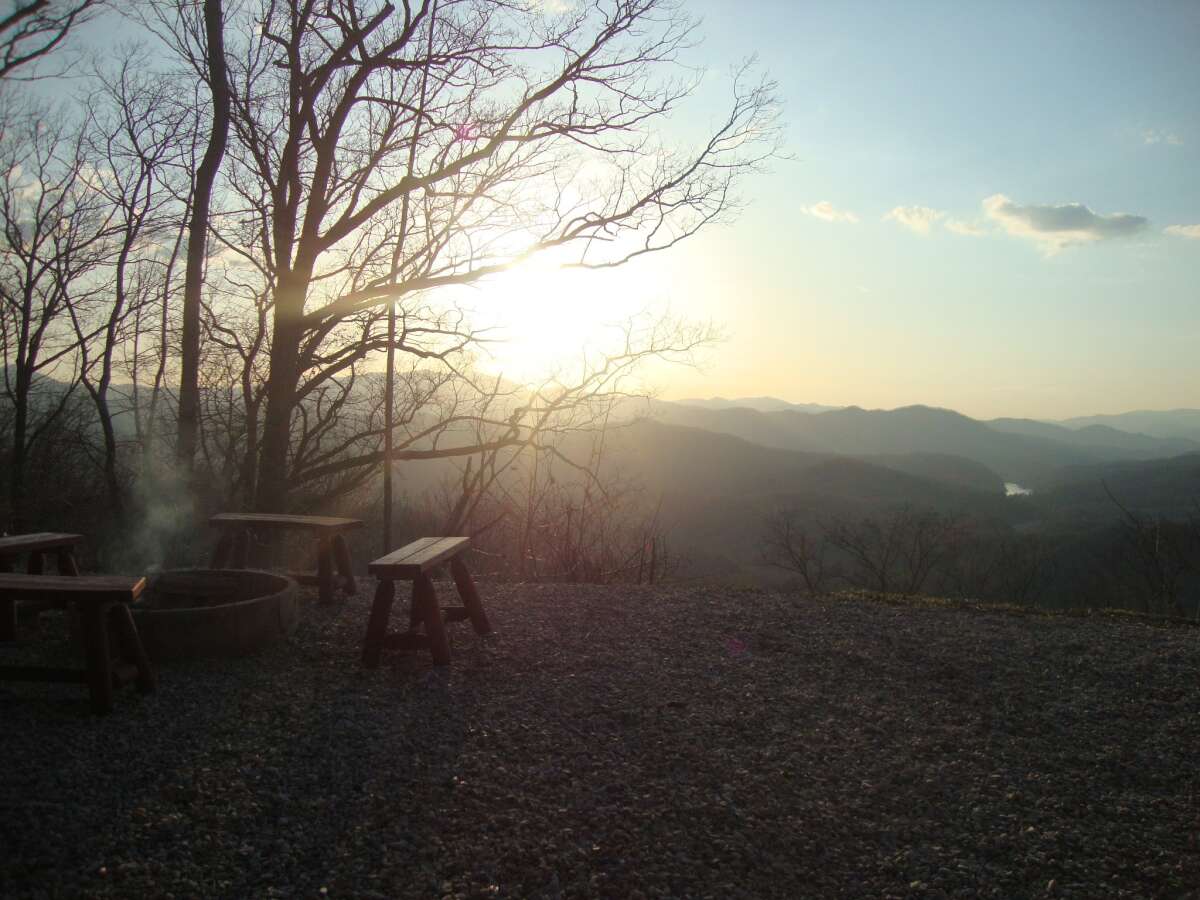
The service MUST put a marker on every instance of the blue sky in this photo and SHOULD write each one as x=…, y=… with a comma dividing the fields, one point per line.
x=929, y=110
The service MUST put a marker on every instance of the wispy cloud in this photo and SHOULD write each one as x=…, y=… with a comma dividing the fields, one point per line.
x=917, y=218
x=1056, y=226
x=969, y=229
x=826, y=212
x=1187, y=231
x=1158, y=136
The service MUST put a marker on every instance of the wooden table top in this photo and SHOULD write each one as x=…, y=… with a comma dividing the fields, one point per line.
x=282, y=520
x=123, y=588
x=40, y=540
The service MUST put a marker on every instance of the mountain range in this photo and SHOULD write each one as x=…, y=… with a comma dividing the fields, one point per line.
x=1035, y=454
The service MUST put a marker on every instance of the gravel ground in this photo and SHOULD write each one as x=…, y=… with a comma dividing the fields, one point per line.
x=630, y=742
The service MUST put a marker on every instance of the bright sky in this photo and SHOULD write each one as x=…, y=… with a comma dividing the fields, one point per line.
x=990, y=207
x=916, y=250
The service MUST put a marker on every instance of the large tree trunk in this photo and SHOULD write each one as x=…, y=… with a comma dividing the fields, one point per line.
x=112, y=481
x=206, y=175
x=272, y=483
x=16, y=483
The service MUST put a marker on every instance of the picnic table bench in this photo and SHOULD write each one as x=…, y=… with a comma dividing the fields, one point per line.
x=103, y=603
x=413, y=562
x=37, y=545
x=328, y=531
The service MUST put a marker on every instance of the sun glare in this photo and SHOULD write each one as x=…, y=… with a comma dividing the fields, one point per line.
x=545, y=318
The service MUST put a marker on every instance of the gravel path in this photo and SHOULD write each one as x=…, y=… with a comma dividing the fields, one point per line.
x=630, y=742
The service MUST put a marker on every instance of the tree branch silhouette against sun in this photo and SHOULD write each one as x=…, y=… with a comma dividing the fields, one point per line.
x=380, y=154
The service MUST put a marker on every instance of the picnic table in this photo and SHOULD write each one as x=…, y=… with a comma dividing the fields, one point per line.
x=37, y=545
x=103, y=604
x=328, y=532
x=413, y=562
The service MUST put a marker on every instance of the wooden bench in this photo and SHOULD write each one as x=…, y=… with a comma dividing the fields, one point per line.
x=413, y=562
x=236, y=528
x=37, y=545
x=102, y=601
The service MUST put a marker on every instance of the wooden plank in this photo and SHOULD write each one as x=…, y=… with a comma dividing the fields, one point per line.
x=281, y=520
x=113, y=588
x=418, y=557
x=41, y=540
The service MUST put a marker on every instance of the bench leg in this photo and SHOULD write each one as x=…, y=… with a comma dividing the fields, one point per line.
x=66, y=562
x=324, y=570
x=241, y=548
x=415, y=617
x=470, y=596
x=131, y=646
x=99, y=660
x=8, y=620
x=377, y=624
x=341, y=553
x=426, y=604
x=221, y=553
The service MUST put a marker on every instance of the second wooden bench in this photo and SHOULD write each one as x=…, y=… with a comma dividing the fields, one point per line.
x=329, y=532
x=413, y=562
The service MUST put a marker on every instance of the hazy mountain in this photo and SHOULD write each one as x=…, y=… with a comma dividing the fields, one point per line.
x=1027, y=459
x=1170, y=423
x=688, y=460
x=761, y=404
x=717, y=489
x=1104, y=438
x=1020, y=450
x=956, y=471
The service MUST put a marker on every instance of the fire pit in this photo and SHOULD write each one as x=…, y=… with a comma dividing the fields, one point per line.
x=187, y=613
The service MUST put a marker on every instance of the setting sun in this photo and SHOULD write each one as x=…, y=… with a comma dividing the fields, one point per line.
x=545, y=318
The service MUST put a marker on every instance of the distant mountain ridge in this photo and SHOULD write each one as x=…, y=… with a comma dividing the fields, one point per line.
x=760, y=404
x=1168, y=423
x=1020, y=450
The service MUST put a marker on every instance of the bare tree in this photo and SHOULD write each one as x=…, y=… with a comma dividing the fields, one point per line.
x=32, y=29
x=135, y=141
x=897, y=552
x=1157, y=556
x=57, y=231
x=206, y=176
x=789, y=545
x=382, y=154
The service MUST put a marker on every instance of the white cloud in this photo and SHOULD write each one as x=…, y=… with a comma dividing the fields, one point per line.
x=958, y=226
x=1056, y=226
x=827, y=213
x=918, y=218
x=1157, y=136
x=1187, y=231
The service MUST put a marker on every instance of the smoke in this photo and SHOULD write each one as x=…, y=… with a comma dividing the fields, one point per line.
x=165, y=533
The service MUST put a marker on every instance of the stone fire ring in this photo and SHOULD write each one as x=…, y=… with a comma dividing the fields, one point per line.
x=192, y=613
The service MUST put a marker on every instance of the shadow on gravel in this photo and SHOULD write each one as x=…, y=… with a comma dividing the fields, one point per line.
x=278, y=774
